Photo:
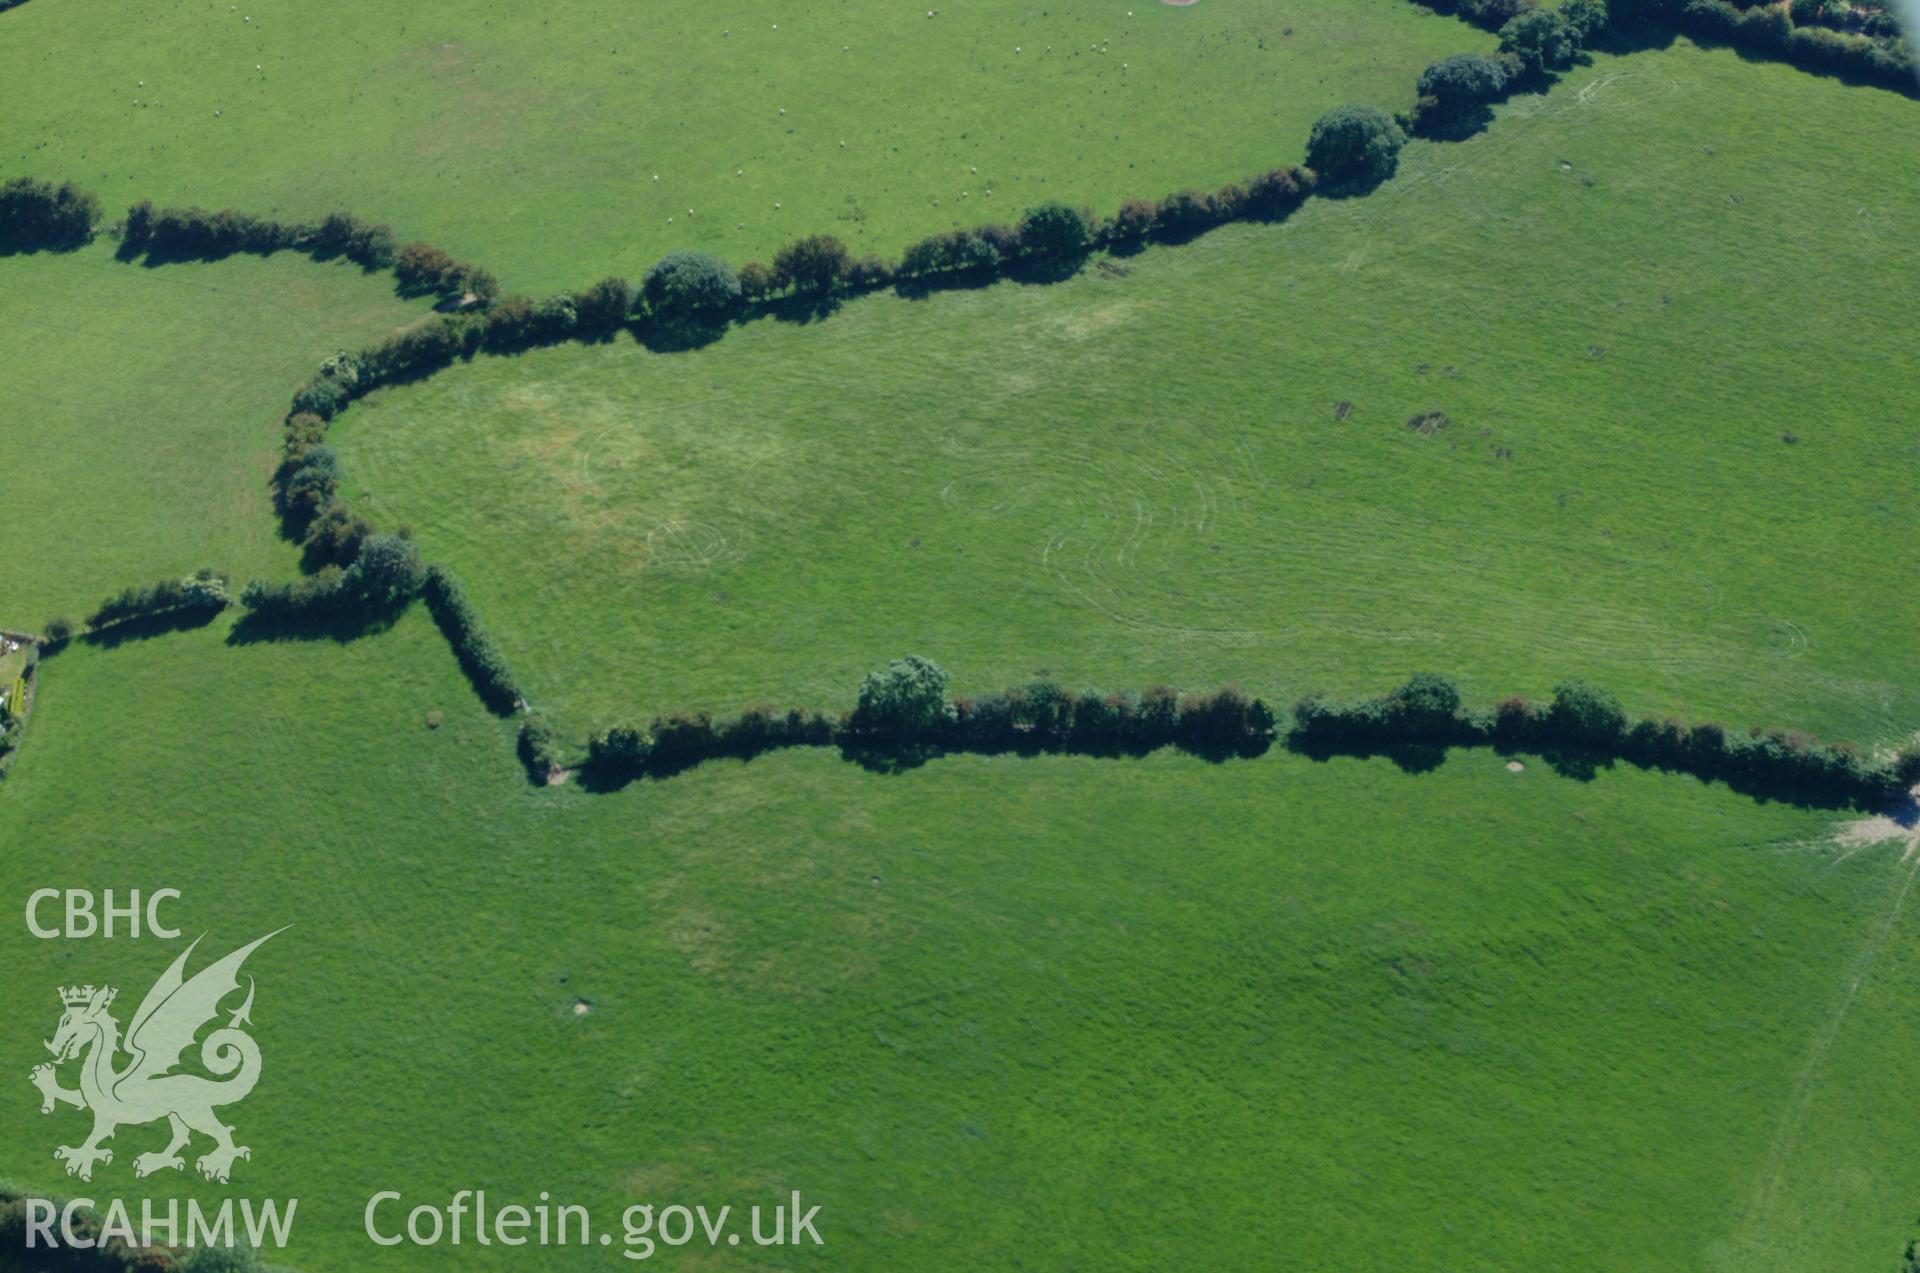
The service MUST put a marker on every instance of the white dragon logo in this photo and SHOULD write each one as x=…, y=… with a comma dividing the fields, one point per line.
x=145, y=1089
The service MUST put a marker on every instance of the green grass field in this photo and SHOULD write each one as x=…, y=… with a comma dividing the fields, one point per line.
x=142, y=412
x=999, y=1012
x=1677, y=459
x=1273, y=1010
x=528, y=138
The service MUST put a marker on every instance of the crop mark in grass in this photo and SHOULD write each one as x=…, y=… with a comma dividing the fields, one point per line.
x=683, y=544
x=1790, y=639
x=1772, y=1175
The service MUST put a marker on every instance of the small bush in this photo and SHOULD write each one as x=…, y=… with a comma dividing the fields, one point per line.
x=335, y=536
x=38, y=214
x=1054, y=229
x=509, y=325
x=305, y=486
x=539, y=748
x=323, y=397
x=813, y=264
x=1183, y=213
x=1134, y=220
x=1355, y=146
x=1906, y=766
x=387, y=572
x=868, y=273
x=1493, y=14
x=425, y=270
x=1456, y=89
x=757, y=282
x=343, y=234
x=685, y=284
x=1272, y=195
x=1586, y=19
x=1584, y=715
x=1541, y=40
x=604, y=307
x=621, y=749
x=906, y=700
x=555, y=319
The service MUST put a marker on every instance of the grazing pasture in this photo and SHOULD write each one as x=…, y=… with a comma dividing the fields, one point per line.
x=1661, y=312
x=553, y=144
x=1619, y=388
x=141, y=412
x=1272, y=1009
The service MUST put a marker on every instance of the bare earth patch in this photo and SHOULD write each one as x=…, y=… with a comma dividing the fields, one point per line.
x=1901, y=823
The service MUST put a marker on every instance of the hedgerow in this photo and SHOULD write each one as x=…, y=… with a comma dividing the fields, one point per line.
x=904, y=709
x=903, y=714
x=36, y=215
x=384, y=576
x=1805, y=33
x=539, y=747
x=479, y=657
x=196, y=234
x=423, y=269
x=204, y=590
x=1584, y=721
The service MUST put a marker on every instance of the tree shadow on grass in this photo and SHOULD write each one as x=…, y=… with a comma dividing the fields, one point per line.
x=1411, y=758
x=62, y=248
x=803, y=308
x=147, y=627
x=674, y=336
x=1584, y=766
x=340, y=626
x=922, y=286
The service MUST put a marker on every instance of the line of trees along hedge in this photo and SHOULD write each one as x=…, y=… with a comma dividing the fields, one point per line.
x=423, y=269
x=196, y=234
x=904, y=710
x=205, y=590
x=479, y=657
x=1589, y=721
x=386, y=574
x=36, y=215
x=1861, y=41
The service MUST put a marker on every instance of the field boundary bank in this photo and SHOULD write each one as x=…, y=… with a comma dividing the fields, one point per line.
x=1579, y=731
x=1053, y=242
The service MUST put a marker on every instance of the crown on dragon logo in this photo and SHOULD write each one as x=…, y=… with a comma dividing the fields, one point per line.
x=81, y=996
